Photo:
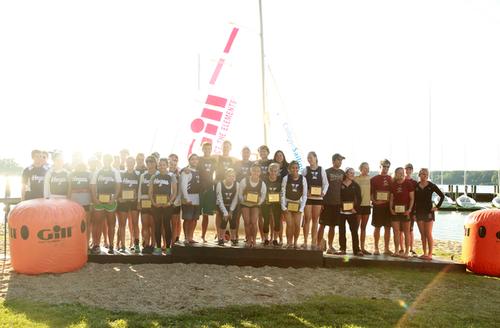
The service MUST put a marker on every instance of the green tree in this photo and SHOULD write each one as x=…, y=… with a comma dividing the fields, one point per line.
x=9, y=166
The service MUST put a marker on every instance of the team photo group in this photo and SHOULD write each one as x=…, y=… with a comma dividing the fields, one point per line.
x=159, y=204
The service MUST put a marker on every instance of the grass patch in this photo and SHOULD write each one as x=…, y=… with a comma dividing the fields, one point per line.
x=428, y=299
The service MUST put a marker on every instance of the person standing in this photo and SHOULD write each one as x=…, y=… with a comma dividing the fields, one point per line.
x=56, y=181
x=363, y=180
x=252, y=193
x=413, y=182
x=271, y=207
x=350, y=196
x=190, y=198
x=380, y=186
x=330, y=215
x=173, y=168
x=206, y=168
x=400, y=204
x=145, y=206
x=79, y=191
x=127, y=206
x=317, y=182
x=425, y=210
x=105, y=188
x=33, y=177
x=293, y=200
x=227, y=202
x=163, y=192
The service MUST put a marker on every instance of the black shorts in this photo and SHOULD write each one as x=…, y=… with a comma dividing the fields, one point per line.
x=148, y=211
x=365, y=210
x=314, y=202
x=176, y=210
x=381, y=217
x=330, y=215
x=400, y=218
x=247, y=206
x=126, y=206
x=426, y=216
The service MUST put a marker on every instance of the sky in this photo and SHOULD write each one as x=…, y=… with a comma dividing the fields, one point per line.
x=353, y=77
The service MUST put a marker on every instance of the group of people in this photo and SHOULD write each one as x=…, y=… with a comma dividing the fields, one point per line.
x=272, y=195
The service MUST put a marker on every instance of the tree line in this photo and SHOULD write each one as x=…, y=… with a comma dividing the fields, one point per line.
x=11, y=167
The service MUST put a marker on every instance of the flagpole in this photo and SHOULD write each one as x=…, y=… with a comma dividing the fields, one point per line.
x=263, y=83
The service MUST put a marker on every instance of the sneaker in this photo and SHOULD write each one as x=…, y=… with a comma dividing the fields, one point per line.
x=137, y=249
x=275, y=243
x=221, y=242
x=413, y=253
x=96, y=250
x=266, y=242
x=110, y=250
x=234, y=242
x=341, y=252
x=365, y=252
x=168, y=251
x=132, y=249
x=122, y=249
x=331, y=251
x=157, y=251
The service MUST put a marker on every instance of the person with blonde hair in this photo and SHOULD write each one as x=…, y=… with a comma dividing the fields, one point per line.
x=425, y=210
x=400, y=204
x=317, y=183
x=363, y=180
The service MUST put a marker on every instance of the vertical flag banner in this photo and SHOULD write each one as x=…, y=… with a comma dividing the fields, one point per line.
x=218, y=109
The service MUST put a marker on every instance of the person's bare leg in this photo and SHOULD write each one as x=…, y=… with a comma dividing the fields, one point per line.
x=289, y=229
x=396, y=231
x=316, y=211
x=111, y=220
x=406, y=232
x=204, y=227
x=296, y=228
x=430, y=239
x=307, y=223
x=376, y=238
x=254, y=217
x=331, y=236
x=387, y=238
x=122, y=224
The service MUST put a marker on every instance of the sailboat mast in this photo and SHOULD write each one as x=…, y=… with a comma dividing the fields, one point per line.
x=263, y=71
x=430, y=130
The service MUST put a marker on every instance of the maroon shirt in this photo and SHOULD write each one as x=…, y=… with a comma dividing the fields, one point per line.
x=380, y=183
x=401, y=192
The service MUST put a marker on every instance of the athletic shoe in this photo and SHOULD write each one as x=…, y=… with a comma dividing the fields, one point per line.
x=157, y=251
x=110, y=250
x=137, y=249
x=123, y=249
x=168, y=251
x=275, y=243
x=365, y=252
x=341, y=252
x=266, y=242
x=234, y=242
x=221, y=242
x=413, y=253
x=331, y=251
x=96, y=250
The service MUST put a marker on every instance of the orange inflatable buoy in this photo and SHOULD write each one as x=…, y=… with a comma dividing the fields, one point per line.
x=481, y=247
x=47, y=236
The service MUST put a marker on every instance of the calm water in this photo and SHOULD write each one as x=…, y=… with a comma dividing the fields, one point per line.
x=448, y=225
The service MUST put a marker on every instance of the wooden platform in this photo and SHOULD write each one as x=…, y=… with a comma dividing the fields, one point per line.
x=384, y=261
x=278, y=257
